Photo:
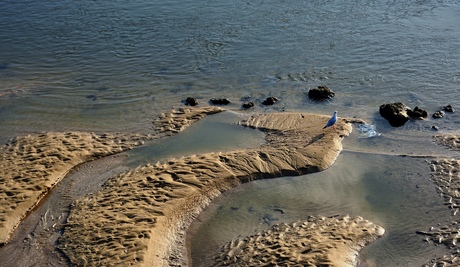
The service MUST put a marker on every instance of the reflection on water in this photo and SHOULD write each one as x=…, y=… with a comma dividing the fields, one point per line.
x=394, y=192
x=216, y=133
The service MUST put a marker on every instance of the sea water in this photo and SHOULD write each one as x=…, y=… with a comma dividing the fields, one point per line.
x=115, y=65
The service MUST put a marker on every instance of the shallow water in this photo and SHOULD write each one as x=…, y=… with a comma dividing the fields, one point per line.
x=113, y=65
x=216, y=133
x=33, y=242
x=380, y=188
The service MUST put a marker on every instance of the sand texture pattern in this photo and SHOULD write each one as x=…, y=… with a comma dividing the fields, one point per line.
x=140, y=217
x=177, y=120
x=446, y=176
x=318, y=241
x=31, y=165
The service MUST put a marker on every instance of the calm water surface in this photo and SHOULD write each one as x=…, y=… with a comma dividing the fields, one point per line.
x=115, y=65
x=380, y=188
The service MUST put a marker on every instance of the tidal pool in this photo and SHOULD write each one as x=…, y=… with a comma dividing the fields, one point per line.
x=216, y=133
x=392, y=191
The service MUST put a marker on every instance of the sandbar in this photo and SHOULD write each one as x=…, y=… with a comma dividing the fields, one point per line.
x=140, y=217
x=30, y=166
x=317, y=241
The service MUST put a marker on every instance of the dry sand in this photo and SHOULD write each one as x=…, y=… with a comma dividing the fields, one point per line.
x=446, y=175
x=140, y=217
x=318, y=241
x=31, y=165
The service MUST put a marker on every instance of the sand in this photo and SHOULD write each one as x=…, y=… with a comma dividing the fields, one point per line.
x=317, y=241
x=30, y=166
x=446, y=176
x=140, y=217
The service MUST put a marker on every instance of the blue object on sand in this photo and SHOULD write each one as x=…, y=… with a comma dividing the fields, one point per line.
x=332, y=120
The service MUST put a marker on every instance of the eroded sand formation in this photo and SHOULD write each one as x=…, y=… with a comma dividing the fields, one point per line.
x=446, y=175
x=318, y=241
x=31, y=165
x=140, y=217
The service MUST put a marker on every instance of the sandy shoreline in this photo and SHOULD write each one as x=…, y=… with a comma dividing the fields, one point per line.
x=32, y=165
x=446, y=176
x=140, y=217
x=152, y=222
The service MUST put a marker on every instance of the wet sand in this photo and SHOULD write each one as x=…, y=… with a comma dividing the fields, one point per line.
x=317, y=241
x=119, y=227
x=32, y=165
x=446, y=176
x=140, y=216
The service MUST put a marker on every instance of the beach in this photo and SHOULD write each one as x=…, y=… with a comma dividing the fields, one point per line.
x=140, y=216
x=98, y=136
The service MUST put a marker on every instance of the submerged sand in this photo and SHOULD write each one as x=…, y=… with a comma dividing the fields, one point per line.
x=317, y=241
x=140, y=217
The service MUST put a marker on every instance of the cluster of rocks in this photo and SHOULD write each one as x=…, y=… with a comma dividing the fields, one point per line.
x=397, y=114
x=190, y=101
x=441, y=113
x=320, y=93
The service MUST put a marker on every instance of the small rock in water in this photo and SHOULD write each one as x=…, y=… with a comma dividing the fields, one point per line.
x=395, y=113
x=191, y=101
x=321, y=93
x=220, y=101
x=448, y=108
x=417, y=113
x=270, y=101
x=434, y=127
x=439, y=114
x=247, y=105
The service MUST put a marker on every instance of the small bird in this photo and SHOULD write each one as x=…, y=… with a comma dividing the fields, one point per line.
x=331, y=121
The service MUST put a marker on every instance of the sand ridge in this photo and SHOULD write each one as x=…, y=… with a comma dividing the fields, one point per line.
x=140, y=217
x=31, y=165
x=318, y=241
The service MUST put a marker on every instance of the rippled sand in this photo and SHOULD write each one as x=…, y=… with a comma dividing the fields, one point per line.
x=32, y=165
x=317, y=241
x=446, y=175
x=140, y=216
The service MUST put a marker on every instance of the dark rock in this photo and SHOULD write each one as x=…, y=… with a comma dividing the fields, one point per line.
x=434, y=127
x=395, y=113
x=247, y=105
x=220, y=101
x=439, y=114
x=92, y=97
x=321, y=93
x=191, y=101
x=270, y=101
x=448, y=108
x=417, y=113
